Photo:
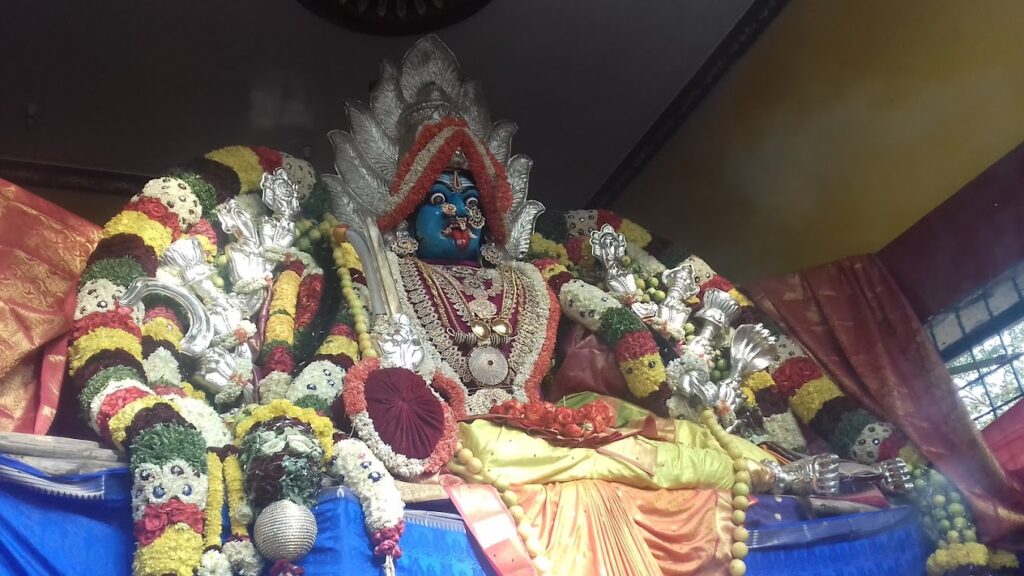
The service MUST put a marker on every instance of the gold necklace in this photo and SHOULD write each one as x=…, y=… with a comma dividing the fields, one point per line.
x=487, y=365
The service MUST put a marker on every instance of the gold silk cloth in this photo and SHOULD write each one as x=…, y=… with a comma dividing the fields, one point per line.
x=692, y=460
x=597, y=527
x=637, y=506
x=43, y=249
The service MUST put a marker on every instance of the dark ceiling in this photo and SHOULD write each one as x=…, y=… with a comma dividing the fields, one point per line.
x=138, y=86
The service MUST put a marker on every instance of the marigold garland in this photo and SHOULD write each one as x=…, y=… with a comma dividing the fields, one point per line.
x=214, y=501
x=153, y=234
x=239, y=512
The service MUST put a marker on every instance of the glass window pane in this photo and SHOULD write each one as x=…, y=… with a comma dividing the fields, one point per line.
x=1002, y=385
x=990, y=348
x=1014, y=337
x=975, y=399
x=1002, y=296
x=946, y=330
x=984, y=420
x=974, y=314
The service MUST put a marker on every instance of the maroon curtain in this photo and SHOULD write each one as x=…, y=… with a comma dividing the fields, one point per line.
x=963, y=243
x=854, y=319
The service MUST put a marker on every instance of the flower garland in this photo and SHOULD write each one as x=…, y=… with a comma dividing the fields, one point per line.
x=357, y=467
x=167, y=454
x=586, y=421
x=119, y=357
x=635, y=349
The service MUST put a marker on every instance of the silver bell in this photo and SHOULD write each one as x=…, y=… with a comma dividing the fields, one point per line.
x=284, y=530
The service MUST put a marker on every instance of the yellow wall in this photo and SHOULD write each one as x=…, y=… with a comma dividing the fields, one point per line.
x=845, y=123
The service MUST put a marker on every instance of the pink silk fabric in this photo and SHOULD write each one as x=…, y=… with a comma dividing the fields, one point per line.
x=43, y=249
x=853, y=318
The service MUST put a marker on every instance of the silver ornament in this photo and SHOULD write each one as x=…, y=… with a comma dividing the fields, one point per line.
x=284, y=530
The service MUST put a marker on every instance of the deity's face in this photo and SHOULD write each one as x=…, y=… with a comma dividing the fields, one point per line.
x=449, y=224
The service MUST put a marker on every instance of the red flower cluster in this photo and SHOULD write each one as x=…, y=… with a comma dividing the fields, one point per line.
x=593, y=418
x=716, y=281
x=279, y=360
x=794, y=373
x=157, y=517
x=385, y=541
x=310, y=290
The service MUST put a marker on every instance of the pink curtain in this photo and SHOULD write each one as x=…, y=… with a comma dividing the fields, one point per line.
x=853, y=318
x=1005, y=437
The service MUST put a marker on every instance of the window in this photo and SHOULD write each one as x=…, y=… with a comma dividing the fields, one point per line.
x=982, y=341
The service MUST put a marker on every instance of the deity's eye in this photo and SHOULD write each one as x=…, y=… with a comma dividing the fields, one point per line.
x=437, y=198
x=472, y=202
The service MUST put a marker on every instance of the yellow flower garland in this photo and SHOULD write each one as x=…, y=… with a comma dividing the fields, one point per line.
x=286, y=293
x=119, y=424
x=740, y=298
x=162, y=329
x=642, y=380
x=634, y=233
x=337, y=344
x=549, y=248
x=176, y=552
x=153, y=234
x=758, y=381
x=322, y=427
x=234, y=479
x=244, y=162
x=811, y=396
x=99, y=340
x=280, y=328
x=214, y=523
x=954, y=555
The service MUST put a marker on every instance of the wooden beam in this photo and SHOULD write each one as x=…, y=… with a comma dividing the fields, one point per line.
x=742, y=36
x=56, y=176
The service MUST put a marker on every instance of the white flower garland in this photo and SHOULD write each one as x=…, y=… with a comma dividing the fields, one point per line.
x=162, y=368
x=178, y=197
x=399, y=464
x=274, y=386
x=321, y=378
x=102, y=295
x=214, y=563
x=585, y=303
x=301, y=174
x=784, y=430
x=648, y=264
x=244, y=559
x=157, y=484
x=205, y=419
x=365, y=475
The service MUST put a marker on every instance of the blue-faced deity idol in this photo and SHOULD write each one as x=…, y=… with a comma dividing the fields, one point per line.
x=449, y=224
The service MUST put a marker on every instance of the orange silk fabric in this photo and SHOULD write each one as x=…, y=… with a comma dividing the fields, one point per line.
x=597, y=527
x=43, y=249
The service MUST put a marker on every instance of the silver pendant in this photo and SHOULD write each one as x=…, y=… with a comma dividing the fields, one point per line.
x=488, y=366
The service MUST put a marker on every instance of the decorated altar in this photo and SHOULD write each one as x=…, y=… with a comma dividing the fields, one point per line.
x=410, y=367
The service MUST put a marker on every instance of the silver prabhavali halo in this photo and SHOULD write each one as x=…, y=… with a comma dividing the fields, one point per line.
x=284, y=530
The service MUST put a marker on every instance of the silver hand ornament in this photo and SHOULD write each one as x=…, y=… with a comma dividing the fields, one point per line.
x=609, y=247
x=399, y=345
x=673, y=313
